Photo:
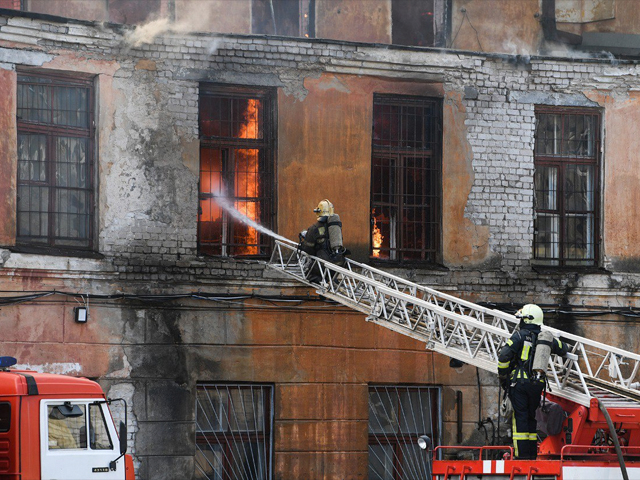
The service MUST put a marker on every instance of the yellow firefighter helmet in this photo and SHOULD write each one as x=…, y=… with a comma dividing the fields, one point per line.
x=531, y=313
x=324, y=208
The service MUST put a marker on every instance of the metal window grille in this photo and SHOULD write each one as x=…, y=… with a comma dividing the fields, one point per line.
x=55, y=206
x=567, y=170
x=398, y=416
x=406, y=179
x=233, y=432
x=236, y=163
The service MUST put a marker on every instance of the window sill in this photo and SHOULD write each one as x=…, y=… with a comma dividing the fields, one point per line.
x=550, y=270
x=413, y=265
x=55, y=252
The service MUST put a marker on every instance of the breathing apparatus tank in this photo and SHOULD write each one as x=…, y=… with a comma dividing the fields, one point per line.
x=543, y=352
x=335, y=231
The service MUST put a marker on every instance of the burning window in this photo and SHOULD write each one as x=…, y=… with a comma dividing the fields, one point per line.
x=567, y=167
x=55, y=161
x=233, y=431
x=398, y=416
x=292, y=18
x=236, y=171
x=405, y=179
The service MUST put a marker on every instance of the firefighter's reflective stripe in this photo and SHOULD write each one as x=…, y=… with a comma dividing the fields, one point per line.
x=503, y=364
x=526, y=348
x=492, y=466
x=509, y=342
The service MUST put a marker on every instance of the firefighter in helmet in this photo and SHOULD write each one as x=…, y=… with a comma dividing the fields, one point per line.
x=323, y=239
x=524, y=386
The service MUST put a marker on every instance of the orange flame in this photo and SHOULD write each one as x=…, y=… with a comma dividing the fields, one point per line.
x=376, y=237
x=246, y=180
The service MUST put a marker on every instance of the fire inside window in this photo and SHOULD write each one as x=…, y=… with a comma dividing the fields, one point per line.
x=567, y=167
x=405, y=179
x=233, y=431
x=236, y=170
x=398, y=416
x=55, y=161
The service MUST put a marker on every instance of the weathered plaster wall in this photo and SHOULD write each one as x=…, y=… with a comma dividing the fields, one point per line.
x=8, y=151
x=622, y=178
x=495, y=26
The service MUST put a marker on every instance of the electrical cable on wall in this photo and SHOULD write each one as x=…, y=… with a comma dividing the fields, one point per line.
x=466, y=16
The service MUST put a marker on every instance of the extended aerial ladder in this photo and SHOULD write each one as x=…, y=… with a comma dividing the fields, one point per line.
x=464, y=330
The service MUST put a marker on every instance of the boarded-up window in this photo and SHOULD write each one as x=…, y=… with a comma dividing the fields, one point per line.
x=236, y=171
x=55, y=161
x=567, y=171
x=405, y=179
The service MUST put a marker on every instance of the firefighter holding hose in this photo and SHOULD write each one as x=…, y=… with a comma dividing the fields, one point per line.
x=521, y=366
x=323, y=239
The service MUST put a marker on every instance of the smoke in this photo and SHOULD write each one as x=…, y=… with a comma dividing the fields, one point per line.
x=194, y=20
x=227, y=205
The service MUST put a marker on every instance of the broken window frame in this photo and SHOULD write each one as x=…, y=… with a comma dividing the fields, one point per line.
x=440, y=13
x=219, y=446
x=52, y=132
x=400, y=152
x=306, y=18
x=388, y=405
x=229, y=147
x=558, y=154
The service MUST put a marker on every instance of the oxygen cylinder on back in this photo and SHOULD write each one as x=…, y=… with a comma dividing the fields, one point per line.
x=335, y=231
x=543, y=352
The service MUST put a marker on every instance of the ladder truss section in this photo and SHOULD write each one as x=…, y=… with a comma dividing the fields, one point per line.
x=461, y=329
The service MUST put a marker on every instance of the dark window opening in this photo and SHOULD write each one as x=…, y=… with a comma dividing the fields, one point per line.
x=405, y=179
x=55, y=206
x=413, y=22
x=567, y=169
x=292, y=18
x=5, y=417
x=132, y=11
x=398, y=416
x=236, y=171
x=233, y=432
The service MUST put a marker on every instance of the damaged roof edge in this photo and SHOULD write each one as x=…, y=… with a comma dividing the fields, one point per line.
x=8, y=12
x=516, y=59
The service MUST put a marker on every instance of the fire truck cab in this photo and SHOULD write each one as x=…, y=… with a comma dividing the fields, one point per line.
x=55, y=427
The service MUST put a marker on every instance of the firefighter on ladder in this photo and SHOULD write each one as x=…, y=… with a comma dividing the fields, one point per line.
x=323, y=239
x=524, y=386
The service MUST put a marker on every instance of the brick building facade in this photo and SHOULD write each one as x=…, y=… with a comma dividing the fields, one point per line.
x=109, y=199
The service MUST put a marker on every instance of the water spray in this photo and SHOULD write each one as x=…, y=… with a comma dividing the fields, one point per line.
x=224, y=203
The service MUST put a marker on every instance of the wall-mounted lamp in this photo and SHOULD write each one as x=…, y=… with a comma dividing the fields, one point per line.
x=81, y=314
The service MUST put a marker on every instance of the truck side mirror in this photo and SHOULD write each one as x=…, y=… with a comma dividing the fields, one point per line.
x=123, y=438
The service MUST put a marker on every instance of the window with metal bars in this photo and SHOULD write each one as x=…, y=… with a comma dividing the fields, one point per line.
x=236, y=170
x=55, y=207
x=398, y=416
x=406, y=179
x=233, y=432
x=567, y=189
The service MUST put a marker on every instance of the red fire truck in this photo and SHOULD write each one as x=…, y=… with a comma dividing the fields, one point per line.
x=55, y=427
x=596, y=388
